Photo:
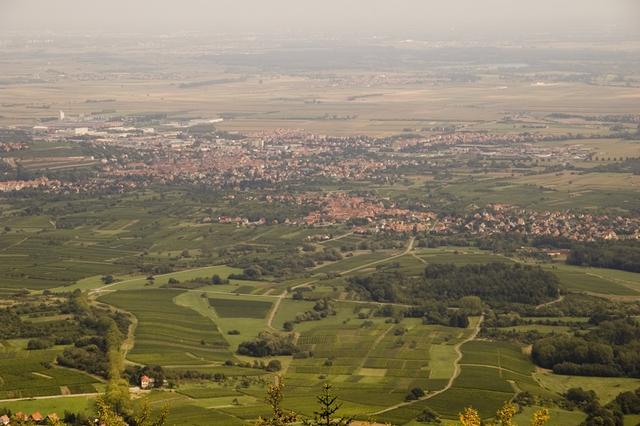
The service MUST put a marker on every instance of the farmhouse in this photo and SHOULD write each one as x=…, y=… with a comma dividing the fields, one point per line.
x=146, y=382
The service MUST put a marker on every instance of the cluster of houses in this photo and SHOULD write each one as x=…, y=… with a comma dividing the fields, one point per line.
x=17, y=185
x=36, y=417
x=495, y=219
x=500, y=219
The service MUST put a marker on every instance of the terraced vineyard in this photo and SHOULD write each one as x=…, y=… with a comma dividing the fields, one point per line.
x=167, y=333
x=33, y=373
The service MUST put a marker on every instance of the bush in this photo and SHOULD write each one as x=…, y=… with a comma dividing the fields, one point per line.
x=428, y=416
x=274, y=365
x=37, y=344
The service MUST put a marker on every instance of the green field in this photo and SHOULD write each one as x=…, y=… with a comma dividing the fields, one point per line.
x=169, y=334
x=33, y=373
x=237, y=308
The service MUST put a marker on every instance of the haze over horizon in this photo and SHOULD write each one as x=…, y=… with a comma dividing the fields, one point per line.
x=505, y=19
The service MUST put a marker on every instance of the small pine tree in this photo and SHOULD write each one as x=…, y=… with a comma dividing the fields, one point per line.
x=328, y=408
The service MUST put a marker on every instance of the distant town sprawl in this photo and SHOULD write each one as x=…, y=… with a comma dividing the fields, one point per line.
x=293, y=167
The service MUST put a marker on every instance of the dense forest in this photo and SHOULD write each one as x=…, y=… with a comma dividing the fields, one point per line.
x=611, y=349
x=495, y=283
x=614, y=255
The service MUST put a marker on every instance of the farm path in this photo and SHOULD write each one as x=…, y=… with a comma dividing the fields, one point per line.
x=365, y=302
x=419, y=258
x=339, y=237
x=49, y=397
x=553, y=302
x=15, y=244
x=105, y=287
x=284, y=294
x=281, y=297
x=386, y=259
x=373, y=347
x=495, y=367
x=456, y=372
x=615, y=279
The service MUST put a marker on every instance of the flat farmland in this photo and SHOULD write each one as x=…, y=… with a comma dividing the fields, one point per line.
x=575, y=182
x=312, y=103
x=537, y=196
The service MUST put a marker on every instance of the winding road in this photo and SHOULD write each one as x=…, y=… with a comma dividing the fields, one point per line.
x=456, y=372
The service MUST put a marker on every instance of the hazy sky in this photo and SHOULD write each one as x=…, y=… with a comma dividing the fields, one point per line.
x=402, y=18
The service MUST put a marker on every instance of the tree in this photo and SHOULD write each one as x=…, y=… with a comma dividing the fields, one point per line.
x=472, y=305
x=540, y=417
x=107, y=279
x=428, y=416
x=279, y=417
x=470, y=417
x=274, y=365
x=328, y=408
x=106, y=415
x=144, y=418
x=505, y=414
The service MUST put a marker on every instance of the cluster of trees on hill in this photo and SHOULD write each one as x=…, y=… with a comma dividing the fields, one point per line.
x=438, y=313
x=87, y=331
x=103, y=333
x=269, y=344
x=613, y=413
x=322, y=309
x=612, y=349
x=583, y=305
x=624, y=255
x=495, y=283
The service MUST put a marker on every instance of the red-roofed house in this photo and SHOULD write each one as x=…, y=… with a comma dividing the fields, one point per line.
x=146, y=382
